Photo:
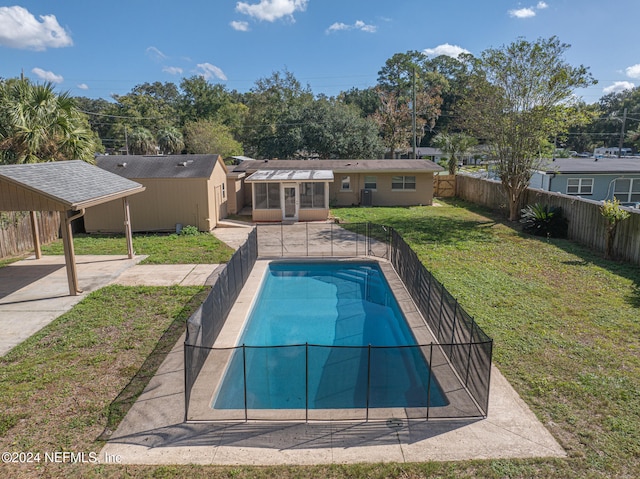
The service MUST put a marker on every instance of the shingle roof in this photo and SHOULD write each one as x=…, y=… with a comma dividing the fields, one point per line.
x=169, y=166
x=72, y=183
x=590, y=165
x=380, y=166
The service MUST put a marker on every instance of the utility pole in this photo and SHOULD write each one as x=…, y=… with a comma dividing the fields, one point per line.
x=624, y=120
x=413, y=117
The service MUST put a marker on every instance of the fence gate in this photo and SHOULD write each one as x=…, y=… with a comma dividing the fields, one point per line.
x=444, y=186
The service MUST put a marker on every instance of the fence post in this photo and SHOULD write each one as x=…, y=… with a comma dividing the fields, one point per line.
x=368, y=380
x=429, y=380
x=453, y=330
x=306, y=382
x=281, y=239
x=307, y=235
x=244, y=375
x=187, y=389
x=332, y=241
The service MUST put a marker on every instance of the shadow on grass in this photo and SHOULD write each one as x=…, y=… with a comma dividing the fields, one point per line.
x=129, y=395
x=587, y=255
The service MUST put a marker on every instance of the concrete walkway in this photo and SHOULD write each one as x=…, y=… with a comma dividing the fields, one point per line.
x=35, y=292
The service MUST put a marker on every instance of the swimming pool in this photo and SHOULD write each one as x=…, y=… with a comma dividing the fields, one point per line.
x=326, y=335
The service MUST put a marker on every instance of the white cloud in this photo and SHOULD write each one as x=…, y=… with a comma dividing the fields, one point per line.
x=47, y=75
x=240, y=26
x=445, y=49
x=172, y=70
x=358, y=25
x=528, y=12
x=272, y=10
x=155, y=54
x=522, y=13
x=20, y=29
x=208, y=71
x=633, y=71
x=83, y=86
x=618, y=86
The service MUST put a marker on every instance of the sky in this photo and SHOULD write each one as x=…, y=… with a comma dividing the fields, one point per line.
x=99, y=49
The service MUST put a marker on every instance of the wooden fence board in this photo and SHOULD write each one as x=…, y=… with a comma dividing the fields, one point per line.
x=15, y=231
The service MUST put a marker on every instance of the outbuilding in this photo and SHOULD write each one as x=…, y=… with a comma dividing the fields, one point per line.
x=180, y=190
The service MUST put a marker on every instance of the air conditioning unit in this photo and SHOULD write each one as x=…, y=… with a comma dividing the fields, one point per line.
x=366, y=197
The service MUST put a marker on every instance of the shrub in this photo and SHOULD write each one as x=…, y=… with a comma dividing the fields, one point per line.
x=190, y=230
x=544, y=220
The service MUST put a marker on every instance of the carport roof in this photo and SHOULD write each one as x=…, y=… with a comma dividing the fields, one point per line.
x=69, y=185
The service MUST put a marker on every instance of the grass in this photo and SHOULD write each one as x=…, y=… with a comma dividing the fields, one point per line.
x=202, y=248
x=565, y=323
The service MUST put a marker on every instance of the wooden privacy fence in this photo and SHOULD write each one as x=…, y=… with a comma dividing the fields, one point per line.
x=586, y=224
x=444, y=186
x=15, y=231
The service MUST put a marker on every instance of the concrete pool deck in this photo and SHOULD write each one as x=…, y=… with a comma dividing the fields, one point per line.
x=154, y=431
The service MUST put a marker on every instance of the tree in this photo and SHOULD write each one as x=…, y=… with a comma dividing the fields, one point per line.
x=336, y=130
x=395, y=116
x=209, y=137
x=140, y=141
x=454, y=145
x=520, y=96
x=404, y=76
x=36, y=125
x=613, y=215
x=367, y=100
x=170, y=141
x=275, y=119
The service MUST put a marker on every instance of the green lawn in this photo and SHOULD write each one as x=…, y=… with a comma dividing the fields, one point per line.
x=202, y=248
x=565, y=324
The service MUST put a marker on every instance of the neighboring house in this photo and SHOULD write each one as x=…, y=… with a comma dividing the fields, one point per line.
x=612, y=151
x=180, y=190
x=303, y=190
x=592, y=178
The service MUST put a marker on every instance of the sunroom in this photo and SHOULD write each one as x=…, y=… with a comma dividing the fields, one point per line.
x=290, y=195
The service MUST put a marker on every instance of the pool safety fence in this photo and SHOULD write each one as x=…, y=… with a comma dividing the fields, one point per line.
x=354, y=382
x=323, y=239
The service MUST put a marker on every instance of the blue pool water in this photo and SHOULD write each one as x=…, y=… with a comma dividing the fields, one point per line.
x=326, y=315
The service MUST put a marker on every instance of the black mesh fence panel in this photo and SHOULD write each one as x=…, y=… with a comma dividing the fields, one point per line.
x=448, y=378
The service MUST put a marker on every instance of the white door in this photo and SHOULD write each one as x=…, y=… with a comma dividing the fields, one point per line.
x=290, y=203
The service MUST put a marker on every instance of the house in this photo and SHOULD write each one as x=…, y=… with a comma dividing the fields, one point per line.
x=592, y=178
x=180, y=190
x=612, y=151
x=303, y=190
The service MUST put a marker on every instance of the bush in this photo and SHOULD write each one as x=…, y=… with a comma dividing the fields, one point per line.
x=190, y=230
x=544, y=220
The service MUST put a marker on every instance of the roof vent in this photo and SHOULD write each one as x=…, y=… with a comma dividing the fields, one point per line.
x=182, y=163
x=122, y=165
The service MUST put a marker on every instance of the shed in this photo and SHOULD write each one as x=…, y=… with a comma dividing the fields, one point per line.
x=69, y=187
x=180, y=190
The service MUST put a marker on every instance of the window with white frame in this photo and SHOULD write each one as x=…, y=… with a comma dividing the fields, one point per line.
x=627, y=190
x=580, y=186
x=312, y=195
x=346, y=183
x=399, y=183
x=267, y=196
x=370, y=182
x=224, y=193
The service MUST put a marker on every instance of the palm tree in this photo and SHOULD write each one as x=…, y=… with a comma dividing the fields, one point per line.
x=170, y=141
x=453, y=145
x=36, y=124
x=141, y=142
